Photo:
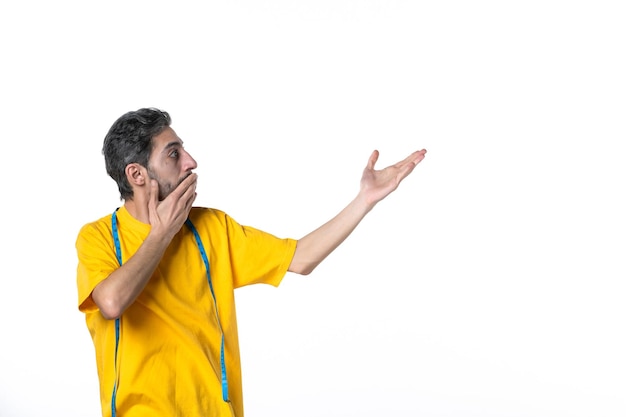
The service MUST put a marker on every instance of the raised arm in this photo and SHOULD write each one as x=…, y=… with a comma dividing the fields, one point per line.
x=313, y=248
x=120, y=289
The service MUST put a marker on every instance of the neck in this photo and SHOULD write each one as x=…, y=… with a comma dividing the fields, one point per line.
x=138, y=209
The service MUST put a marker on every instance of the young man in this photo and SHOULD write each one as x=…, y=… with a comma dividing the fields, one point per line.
x=156, y=277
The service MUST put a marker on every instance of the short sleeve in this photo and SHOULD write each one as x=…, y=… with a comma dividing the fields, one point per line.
x=96, y=261
x=258, y=256
x=246, y=254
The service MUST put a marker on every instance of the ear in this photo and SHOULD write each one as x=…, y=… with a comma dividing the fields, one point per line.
x=136, y=175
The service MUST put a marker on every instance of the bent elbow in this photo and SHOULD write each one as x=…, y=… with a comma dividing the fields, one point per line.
x=110, y=310
x=307, y=270
x=302, y=268
x=110, y=314
x=109, y=306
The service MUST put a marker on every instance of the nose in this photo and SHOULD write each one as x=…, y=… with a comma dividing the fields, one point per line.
x=189, y=163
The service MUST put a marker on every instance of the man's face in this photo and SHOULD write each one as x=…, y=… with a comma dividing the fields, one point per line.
x=169, y=163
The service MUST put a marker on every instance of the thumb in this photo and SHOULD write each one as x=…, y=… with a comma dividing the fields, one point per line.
x=154, y=195
x=373, y=159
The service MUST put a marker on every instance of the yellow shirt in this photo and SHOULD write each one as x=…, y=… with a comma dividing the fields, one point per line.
x=168, y=361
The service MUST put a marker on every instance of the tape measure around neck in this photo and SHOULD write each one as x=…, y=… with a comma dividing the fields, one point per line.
x=118, y=254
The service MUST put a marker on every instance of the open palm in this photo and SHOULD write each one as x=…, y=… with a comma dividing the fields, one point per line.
x=378, y=184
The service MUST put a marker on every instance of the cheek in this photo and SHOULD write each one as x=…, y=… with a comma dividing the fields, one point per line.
x=169, y=167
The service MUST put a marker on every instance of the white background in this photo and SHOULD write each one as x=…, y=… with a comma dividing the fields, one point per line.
x=491, y=283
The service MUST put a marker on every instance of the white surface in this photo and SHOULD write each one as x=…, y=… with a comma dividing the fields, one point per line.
x=490, y=284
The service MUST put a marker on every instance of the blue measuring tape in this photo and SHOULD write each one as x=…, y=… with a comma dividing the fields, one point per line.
x=205, y=259
x=118, y=254
x=217, y=316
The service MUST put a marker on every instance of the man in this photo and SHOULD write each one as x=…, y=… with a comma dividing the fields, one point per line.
x=156, y=278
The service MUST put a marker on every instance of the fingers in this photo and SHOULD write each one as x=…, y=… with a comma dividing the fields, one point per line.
x=190, y=201
x=409, y=163
x=416, y=157
x=187, y=183
x=185, y=194
x=179, y=201
x=421, y=154
x=412, y=160
x=189, y=195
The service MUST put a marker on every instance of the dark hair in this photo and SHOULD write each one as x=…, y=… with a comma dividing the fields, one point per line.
x=130, y=141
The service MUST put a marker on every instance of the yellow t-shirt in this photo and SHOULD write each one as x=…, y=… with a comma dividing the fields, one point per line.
x=168, y=361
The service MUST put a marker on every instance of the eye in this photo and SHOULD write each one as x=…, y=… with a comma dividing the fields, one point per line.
x=174, y=154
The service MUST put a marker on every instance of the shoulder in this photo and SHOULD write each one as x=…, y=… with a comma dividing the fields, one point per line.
x=209, y=217
x=202, y=214
x=213, y=221
x=95, y=234
x=96, y=227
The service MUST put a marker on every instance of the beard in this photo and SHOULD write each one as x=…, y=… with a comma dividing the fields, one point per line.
x=165, y=187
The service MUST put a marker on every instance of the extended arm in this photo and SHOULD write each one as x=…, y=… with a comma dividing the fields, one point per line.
x=313, y=248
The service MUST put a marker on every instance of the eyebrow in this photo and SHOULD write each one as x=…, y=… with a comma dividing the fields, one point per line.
x=172, y=144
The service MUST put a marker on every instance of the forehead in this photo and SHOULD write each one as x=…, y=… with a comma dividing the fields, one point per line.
x=165, y=140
